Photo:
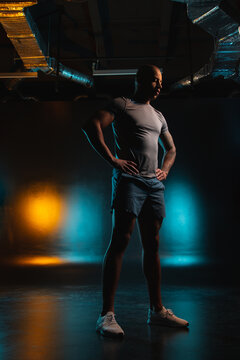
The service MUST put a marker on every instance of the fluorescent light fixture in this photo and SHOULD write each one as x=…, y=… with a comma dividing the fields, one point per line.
x=19, y=75
x=115, y=72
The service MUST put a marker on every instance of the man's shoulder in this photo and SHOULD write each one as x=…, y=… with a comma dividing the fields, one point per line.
x=116, y=105
x=119, y=103
x=161, y=118
x=120, y=99
x=158, y=112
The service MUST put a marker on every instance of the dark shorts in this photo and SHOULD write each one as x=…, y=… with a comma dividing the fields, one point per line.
x=130, y=193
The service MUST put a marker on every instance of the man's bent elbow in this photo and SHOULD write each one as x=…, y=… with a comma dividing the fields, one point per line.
x=100, y=120
x=171, y=150
x=90, y=127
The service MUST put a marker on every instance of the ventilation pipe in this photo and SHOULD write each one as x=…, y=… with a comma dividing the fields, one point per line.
x=216, y=17
x=23, y=32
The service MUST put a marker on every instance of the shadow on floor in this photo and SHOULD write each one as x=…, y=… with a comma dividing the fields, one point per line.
x=50, y=314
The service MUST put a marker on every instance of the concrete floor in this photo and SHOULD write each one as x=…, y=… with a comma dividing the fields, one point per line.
x=49, y=319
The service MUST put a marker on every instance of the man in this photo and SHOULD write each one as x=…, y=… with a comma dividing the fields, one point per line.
x=137, y=191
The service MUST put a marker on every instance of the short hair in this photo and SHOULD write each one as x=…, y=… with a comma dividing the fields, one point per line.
x=144, y=72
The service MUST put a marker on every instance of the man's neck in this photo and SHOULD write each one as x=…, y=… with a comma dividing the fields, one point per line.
x=141, y=98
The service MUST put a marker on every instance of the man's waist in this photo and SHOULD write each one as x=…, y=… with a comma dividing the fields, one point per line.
x=141, y=174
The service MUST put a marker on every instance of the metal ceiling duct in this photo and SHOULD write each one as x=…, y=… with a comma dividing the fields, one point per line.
x=14, y=21
x=220, y=19
x=21, y=29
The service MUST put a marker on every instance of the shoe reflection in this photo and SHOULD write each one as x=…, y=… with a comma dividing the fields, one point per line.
x=165, y=333
x=111, y=347
x=162, y=336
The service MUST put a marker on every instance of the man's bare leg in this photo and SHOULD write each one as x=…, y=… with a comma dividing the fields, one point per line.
x=149, y=227
x=123, y=224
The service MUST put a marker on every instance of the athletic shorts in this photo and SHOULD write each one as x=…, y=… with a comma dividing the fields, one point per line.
x=130, y=193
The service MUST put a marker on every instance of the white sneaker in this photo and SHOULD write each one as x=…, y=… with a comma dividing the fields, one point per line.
x=107, y=326
x=165, y=317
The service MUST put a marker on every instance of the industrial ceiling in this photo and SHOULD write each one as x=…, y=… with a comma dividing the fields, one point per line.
x=69, y=49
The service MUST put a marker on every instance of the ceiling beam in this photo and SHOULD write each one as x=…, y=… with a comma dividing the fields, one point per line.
x=97, y=28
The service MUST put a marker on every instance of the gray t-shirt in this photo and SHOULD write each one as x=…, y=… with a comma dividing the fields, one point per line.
x=136, y=129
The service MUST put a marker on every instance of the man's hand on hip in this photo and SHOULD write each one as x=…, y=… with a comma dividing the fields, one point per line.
x=161, y=174
x=126, y=166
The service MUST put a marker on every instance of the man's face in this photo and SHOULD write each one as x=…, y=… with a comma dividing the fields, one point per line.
x=152, y=84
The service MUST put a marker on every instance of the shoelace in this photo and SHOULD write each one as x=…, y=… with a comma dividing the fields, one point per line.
x=170, y=312
x=111, y=319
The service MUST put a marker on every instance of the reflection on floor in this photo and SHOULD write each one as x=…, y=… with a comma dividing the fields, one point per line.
x=55, y=320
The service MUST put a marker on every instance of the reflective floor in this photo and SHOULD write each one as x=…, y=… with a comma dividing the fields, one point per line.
x=55, y=320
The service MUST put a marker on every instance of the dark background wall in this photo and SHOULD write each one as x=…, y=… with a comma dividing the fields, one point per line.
x=43, y=152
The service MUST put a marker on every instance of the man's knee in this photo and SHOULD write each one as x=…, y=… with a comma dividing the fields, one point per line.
x=120, y=239
x=151, y=246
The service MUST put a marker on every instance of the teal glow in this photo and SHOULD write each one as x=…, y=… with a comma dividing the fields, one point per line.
x=82, y=231
x=84, y=259
x=76, y=76
x=182, y=231
x=184, y=260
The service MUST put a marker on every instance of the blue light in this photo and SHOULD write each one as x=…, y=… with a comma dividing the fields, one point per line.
x=182, y=231
x=76, y=76
x=184, y=260
x=83, y=259
x=82, y=231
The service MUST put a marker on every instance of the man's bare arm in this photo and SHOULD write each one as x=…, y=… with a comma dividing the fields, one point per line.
x=93, y=129
x=94, y=132
x=169, y=148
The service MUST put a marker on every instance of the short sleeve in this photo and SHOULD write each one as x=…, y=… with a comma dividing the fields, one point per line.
x=116, y=106
x=164, y=127
x=164, y=124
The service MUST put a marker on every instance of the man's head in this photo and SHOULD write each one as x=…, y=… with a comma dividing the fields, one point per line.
x=149, y=81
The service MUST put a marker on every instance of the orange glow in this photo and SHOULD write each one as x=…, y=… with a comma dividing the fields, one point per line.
x=39, y=260
x=41, y=209
x=38, y=332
